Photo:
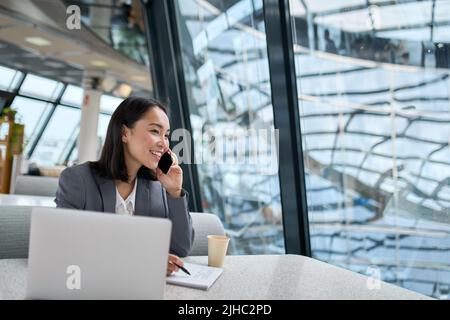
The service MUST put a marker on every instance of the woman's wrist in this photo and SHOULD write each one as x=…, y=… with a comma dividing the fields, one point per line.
x=175, y=193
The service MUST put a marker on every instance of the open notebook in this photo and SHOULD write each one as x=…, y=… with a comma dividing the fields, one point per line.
x=202, y=277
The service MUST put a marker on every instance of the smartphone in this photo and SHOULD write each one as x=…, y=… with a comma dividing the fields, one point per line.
x=165, y=162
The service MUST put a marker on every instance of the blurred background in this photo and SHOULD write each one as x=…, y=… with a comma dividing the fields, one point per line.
x=373, y=103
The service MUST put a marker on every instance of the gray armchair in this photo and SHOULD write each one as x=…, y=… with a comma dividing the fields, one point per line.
x=36, y=186
x=14, y=231
x=204, y=224
x=15, y=228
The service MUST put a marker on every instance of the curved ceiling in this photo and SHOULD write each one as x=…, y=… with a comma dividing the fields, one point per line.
x=79, y=49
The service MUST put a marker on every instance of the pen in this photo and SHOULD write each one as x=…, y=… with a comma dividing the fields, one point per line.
x=184, y=269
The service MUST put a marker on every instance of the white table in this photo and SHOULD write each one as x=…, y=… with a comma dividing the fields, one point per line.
x=26, y=200
x=252, y=277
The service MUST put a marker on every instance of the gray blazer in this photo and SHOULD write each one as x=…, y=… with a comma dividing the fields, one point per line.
x=82, y=188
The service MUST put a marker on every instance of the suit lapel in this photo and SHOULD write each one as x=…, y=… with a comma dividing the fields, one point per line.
x=142, y=201
x=107, y=189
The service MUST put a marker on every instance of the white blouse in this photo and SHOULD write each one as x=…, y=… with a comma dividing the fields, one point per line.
x=126, y=206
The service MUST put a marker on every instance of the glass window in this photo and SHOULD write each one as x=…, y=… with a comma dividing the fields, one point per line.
x=32, y=113
x=73, y=95
x=64, y=154
x=9, y=79
x=109, y=103
x=225, y=62
x=73, y=157
x=373, y=96
x=57, y=136
x=101, y=132
x=121, y=26
x=40, y=87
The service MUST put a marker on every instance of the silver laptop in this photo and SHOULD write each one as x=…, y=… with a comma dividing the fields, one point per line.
x=77, y=254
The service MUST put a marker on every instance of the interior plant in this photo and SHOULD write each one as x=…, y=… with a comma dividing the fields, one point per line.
x=9, y=113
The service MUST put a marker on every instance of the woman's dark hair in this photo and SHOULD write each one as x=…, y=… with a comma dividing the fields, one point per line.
x=112, y=161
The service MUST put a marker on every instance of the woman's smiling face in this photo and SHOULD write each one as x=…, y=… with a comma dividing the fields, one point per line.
x=147, y=140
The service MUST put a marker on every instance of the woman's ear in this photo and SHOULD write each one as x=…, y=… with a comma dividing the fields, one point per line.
x=125, y=133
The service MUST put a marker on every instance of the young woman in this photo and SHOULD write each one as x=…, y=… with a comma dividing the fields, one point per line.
x=127, y=180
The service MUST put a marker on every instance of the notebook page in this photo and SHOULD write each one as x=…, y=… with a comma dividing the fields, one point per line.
x=202, y=277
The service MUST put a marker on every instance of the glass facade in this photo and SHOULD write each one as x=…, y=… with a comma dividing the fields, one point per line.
x=51, y=129
x=226, y=70
x=32, y=113
x=117, y=23
x=9, y=78
x=39, y=87
x=59, y=131
x=373, y=94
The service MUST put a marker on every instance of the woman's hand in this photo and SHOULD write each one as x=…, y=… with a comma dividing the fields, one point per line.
x=173, y=180
x=171, y=264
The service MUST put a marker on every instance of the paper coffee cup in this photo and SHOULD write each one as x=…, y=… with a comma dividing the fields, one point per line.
x=217, y=249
